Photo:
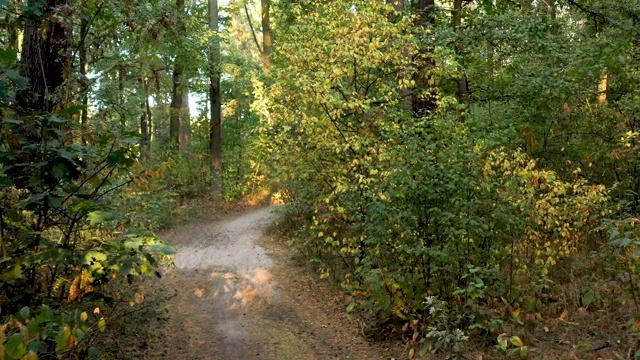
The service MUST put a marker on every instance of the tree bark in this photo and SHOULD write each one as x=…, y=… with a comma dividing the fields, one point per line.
x=215, y=133
x=185, y=121
x=46, y=56
x=84, y=66
x=424, y=96
x=266, y=35
x=145, y=120
x=603, y=88
x=176, y=107
x=177, y=91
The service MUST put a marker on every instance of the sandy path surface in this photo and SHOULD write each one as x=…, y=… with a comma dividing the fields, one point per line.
x=237, y=300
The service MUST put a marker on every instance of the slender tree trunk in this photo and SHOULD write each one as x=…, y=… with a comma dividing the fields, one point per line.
x=215, y=102
x=84, y=66
x=123, y=119
x=490, y=60
x=178, y=88
x=185, y=121
x=463, y=85
x=176, y=107
x=266, y=35
x=603, y=88
x=45, y=57
x=424, y=96
x=399, y=7
x=160, y=106
x=145, y=118
x=158, y=89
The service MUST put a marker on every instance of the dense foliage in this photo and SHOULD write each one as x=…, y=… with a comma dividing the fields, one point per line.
x=479, y=201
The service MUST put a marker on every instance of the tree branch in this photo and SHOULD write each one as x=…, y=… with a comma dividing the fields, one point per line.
x=253, y=31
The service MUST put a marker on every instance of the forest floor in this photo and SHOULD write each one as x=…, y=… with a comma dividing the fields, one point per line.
x=239, y=294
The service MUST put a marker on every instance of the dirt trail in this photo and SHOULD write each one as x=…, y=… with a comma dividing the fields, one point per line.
x=237, y=300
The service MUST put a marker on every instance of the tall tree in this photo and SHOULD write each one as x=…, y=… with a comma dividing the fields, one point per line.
x=266, y=35
x=84, y=66
x=215, y=130
x=424, y=97
x=45, y=55
x=178, y=86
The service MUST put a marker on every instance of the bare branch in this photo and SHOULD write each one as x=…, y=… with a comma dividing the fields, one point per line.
x=253, y=32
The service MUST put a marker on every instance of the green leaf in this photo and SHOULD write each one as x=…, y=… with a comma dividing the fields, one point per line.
x=93, y=353
x=14, y=273
x=94, y=256
x=5, y=181
x=351, y=306
x=13, y=121
x=60, y=170
x=163, y=249
x=46, y=314
x=587, y=298
x=98, y=217
x=524, y=352
x=134, y=243
x=61, y=342
x=15, y=346
x=71, y=110
x=79, y=334
x=424, y=349
x=24, y=313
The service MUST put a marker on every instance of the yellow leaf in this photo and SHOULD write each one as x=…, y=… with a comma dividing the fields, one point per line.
x=564, y=315
x=31, y=355
x=516, y=341
x=102, y=325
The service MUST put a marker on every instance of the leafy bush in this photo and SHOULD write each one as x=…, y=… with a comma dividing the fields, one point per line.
x=400, y=207
x=62, y=239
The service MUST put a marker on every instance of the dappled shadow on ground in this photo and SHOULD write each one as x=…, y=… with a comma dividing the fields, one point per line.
x=236, y=300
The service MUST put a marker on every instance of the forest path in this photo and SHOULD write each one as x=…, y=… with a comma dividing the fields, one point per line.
x=241, y=296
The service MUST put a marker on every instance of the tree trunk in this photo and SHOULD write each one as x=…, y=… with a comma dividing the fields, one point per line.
x=405, y=93
x=603, y=88
x=185, y=121
x=84, y=66
x=424, y=96
x=463, y=85
x=215, y=132
x=149, y=118
x=176, y=107
x=45, y=58
x=13, y=26
x=120, y=97
x=145, y=119
x=266, y=35
x=398, y=6
x=177, y=92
